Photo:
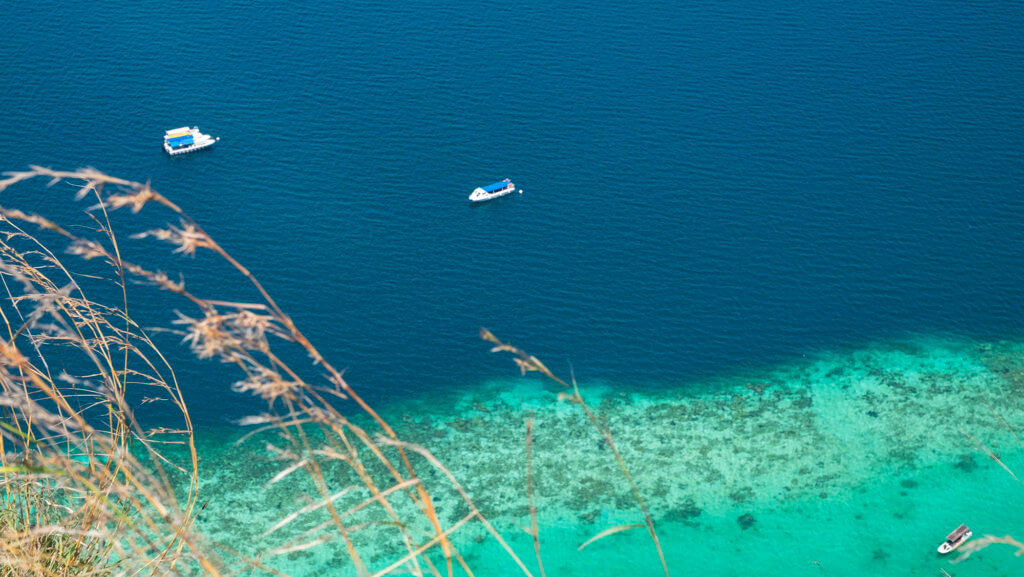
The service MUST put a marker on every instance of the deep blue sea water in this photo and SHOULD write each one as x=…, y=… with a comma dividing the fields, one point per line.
x=709, y=188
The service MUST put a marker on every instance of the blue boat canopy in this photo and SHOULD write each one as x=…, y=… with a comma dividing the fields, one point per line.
x=496, y=186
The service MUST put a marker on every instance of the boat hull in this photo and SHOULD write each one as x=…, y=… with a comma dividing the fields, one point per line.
x=950, y=545
x=481, y=195
x=189, y=148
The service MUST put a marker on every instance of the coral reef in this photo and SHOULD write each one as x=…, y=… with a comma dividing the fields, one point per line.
x=811, y=437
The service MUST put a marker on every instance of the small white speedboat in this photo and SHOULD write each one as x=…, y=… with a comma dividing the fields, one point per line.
x=492, y=191
x=955, y=539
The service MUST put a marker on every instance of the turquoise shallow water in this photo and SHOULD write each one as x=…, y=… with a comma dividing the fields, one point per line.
x=850, y=463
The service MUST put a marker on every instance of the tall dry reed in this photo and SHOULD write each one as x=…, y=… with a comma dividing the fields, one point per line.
x=529, y=363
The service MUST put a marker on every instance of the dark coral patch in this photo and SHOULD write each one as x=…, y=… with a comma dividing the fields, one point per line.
x=966, y=463
x=746, y=521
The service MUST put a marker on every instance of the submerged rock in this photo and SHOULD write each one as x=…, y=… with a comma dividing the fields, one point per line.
x=966, y=463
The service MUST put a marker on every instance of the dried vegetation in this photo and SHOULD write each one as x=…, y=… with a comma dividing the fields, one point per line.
x=86, y=489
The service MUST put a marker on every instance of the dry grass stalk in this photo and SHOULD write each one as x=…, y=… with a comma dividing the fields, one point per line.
x=534, y=531
x=465, y=497
x=992, y=456
x=610, y=531
x=1020, y=443
x=527, y=362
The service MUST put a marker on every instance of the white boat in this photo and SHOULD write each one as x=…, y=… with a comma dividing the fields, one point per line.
x=492, y=191
x=955, y=539
x=185, y=139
